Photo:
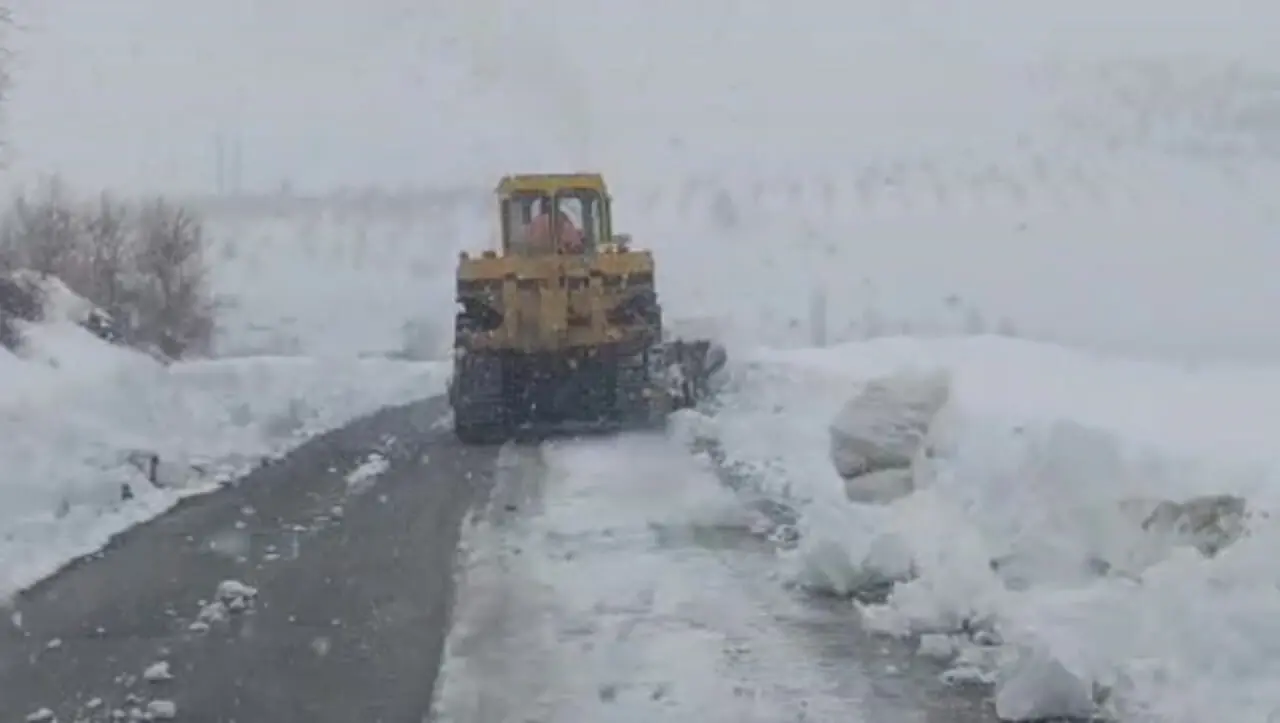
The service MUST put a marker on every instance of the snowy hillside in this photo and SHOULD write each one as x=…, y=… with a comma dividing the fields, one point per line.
x=1089, y=174
x=80, y=421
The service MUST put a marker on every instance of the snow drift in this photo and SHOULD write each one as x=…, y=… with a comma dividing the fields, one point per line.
x=1077, y=530
x=97, y=437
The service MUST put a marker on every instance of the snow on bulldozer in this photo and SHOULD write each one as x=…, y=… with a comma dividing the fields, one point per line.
x=559, y=329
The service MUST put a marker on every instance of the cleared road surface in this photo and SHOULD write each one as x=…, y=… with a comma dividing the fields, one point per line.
x=619, y=579
x=353, y=587
x=351, y=605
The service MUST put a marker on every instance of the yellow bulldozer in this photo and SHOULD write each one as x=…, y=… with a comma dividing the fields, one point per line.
x=560, y=330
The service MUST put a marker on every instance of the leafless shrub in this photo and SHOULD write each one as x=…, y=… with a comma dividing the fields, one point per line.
x=173, y=308
x=144, y=264
x=10, y=334
x=41, y=230
x=21, y=300
x=104, y=270
x=18, y=302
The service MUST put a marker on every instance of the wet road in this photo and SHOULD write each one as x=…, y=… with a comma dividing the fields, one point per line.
x=351, y=604
x=352, y=586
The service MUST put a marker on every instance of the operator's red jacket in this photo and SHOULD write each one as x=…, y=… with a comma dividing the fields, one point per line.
x=538, y=235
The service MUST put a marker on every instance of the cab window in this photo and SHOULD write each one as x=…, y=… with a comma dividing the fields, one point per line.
x=584, y=209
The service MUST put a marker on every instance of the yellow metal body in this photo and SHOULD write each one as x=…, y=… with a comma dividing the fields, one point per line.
x=550, y=183
x=554, y=302
x=551, y=302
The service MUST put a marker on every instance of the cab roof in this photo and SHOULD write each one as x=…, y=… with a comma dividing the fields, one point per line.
x=550, y=183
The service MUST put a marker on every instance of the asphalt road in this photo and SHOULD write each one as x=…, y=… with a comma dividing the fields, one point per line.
x=353, y=590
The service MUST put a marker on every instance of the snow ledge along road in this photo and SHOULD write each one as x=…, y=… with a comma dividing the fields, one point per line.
x=627, y=587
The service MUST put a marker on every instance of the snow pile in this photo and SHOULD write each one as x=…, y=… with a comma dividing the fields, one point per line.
x=33, y=294
x=367, y=472
x=86, y=425
x=876, y=437
x=1078, y=531
x=157, y=672
x=30, y=298
x=231, y=599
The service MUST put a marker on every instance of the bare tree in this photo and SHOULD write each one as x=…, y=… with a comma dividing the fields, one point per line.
x=105, y=251
x=41, y=233
x=20, y=300
x=10, y=334
x=143, y=265
x=174, y=310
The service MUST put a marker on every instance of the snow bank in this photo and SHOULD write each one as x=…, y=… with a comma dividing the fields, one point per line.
x=77, y=415
x=1054, y=537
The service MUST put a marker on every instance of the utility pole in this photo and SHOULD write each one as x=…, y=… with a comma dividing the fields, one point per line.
x=228, y=159
x=220, y=162
x=237, y=165
x=818, y=316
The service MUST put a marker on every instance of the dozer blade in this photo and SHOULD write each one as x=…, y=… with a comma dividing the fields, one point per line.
x=502, y=396
x=691, y=369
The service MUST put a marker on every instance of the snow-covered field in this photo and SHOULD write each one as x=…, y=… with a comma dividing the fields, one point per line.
x=1089, y=175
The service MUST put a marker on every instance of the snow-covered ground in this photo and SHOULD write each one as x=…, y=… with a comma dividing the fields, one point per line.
x=897, y=154
x=1034, y=456
x=78, y=417
x=607, y=581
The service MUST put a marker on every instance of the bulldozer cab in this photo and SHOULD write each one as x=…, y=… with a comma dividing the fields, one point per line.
x=554, y=214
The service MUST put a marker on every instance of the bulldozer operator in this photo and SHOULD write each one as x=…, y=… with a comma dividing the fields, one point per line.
x=538, y=238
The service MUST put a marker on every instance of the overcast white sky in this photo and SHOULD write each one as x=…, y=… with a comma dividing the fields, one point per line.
x=132, y=93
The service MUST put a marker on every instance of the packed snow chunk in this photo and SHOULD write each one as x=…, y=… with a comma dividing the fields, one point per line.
x=157, y=672
x=44, y=715
x=885, y=424
x=829, y=570
x=161, y=710
x=235, y=594
x=1037, y=686
x=877, y=435
x=854, y=558
x=363, y=476
x=231, y=598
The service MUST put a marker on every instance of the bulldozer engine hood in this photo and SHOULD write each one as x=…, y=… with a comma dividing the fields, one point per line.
x=546, y=303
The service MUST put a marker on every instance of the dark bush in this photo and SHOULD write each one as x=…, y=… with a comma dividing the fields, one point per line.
x=18, y=302
x=142, y=264
x=10, y=334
